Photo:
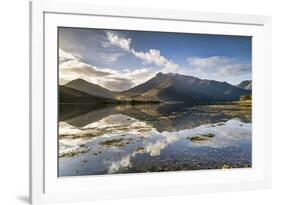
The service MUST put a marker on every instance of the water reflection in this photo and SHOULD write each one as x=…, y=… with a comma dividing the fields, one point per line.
x=163, y=117
x=147, y=138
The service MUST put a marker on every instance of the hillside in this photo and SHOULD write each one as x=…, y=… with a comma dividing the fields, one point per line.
x=188, y=89
x=246, y=84
x=70, y=95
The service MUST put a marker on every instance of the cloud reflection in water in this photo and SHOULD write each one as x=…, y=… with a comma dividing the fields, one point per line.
x=137, y=139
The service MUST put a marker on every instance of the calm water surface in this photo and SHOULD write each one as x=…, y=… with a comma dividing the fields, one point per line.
x=153, y=138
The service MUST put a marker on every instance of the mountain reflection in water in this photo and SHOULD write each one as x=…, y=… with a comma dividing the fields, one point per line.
x=149, y=138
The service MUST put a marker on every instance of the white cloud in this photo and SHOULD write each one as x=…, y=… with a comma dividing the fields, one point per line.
x=219, y=65
x=119, y=41
x=152, y=56
x=66, y=56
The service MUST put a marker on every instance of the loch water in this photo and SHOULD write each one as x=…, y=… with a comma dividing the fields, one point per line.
x=153, y=138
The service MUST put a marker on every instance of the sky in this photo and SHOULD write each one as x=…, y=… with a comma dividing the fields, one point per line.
x=119, y=60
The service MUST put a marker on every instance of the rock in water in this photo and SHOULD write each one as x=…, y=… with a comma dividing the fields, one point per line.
x=201, y=137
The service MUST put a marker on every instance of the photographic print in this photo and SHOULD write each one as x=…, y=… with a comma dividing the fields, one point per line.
x=145, y=101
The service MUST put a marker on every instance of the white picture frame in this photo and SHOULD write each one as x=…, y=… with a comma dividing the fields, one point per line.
x=46, y=187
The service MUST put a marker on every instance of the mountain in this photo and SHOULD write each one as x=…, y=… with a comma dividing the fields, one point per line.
x=70, y=95
x=162, y=87
x=90, y=88
x=246, y=84
x=188, y=89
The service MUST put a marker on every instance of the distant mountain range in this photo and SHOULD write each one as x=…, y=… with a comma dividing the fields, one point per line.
x=246, y=84
x=162, y=88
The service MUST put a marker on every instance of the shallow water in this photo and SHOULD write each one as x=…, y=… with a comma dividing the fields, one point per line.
x=150, y=138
